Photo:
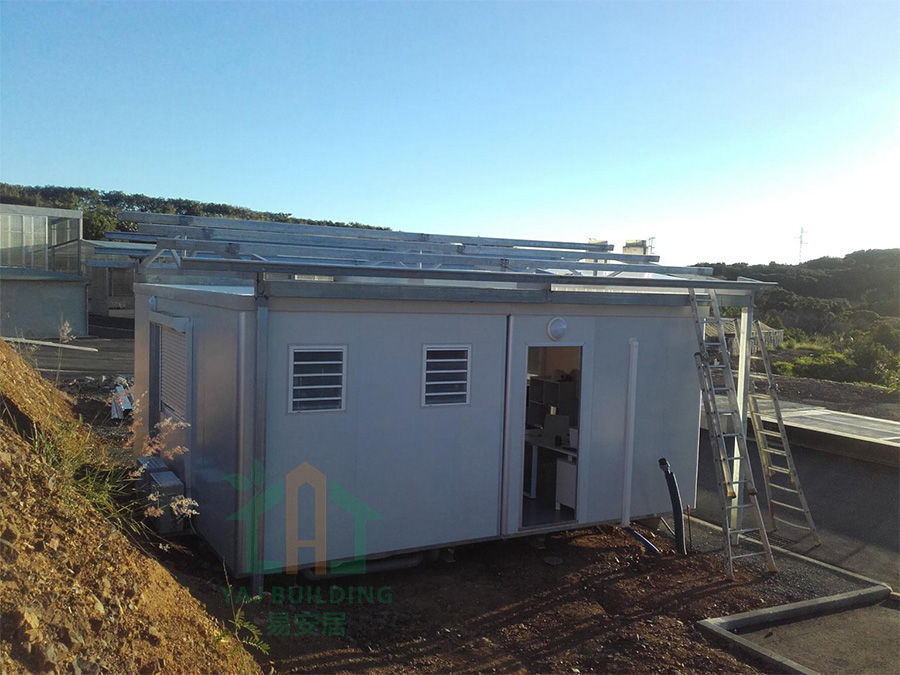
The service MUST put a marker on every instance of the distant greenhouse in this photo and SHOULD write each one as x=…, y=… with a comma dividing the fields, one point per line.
x=42, y=292
x=40, y=238
x=772, y=337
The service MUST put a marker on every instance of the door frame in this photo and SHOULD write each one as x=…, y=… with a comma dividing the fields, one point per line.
x=513, y=474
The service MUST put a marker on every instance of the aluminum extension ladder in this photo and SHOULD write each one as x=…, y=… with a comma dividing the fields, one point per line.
x=734, y=470
x=775, y=454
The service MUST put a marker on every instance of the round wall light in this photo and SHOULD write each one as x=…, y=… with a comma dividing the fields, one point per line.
x=557, y=327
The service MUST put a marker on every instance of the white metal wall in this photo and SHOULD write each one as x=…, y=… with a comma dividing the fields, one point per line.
x=667, y=408
x=667, y=412
x=41, y=307
x=432, y=473
x=219, y=410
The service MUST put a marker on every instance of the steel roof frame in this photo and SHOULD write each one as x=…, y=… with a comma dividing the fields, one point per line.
x=295, y=252
x=149, y=232
x=241, y=247
x=355, y=233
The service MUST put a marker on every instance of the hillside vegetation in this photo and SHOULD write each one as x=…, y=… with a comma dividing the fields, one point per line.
x=101, y=207
x=862, y=281
x=76, y=595
x=840, y=315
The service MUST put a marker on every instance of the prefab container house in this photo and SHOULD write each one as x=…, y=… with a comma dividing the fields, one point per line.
x=409, y=392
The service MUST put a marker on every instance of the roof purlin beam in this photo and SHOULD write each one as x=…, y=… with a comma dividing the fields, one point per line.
x=343, y=243
x=336, y=269
x=237, y=248
x=352, y=232
x=152, y=231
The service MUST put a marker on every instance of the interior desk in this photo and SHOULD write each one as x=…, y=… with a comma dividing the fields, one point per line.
x=565, y=467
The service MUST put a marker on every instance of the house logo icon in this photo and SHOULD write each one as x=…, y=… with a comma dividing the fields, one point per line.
x=286, y=491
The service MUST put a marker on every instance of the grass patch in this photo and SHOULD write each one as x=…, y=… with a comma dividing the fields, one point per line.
x=84, y=465
x=99, y=474
x=818, y=344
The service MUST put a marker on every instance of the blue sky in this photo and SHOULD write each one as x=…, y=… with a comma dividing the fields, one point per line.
x=720, y=128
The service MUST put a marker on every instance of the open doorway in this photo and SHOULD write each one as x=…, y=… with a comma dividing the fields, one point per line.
x=553, y=403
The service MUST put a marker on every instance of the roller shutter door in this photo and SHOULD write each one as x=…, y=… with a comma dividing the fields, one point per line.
x=173, y=372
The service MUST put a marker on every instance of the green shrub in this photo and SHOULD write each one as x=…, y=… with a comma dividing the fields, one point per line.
x=828, y=365
x=783, y=368
x=794, y=335
x=886, y=335
x=872, y=360
x=863, y=361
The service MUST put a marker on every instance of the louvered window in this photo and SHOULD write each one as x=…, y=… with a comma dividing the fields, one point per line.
x=317, y=378
x=446, y=375
x=173, y=373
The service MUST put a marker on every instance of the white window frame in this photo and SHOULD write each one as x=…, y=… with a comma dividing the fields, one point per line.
x=293, y=349
x=425, y=350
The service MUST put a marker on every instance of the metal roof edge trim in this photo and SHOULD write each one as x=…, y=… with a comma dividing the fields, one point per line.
x=23, y=210
x=261, y=266
x=388, y=292
x=211, y=297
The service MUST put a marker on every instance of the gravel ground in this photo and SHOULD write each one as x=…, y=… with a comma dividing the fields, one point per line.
x=800, y=574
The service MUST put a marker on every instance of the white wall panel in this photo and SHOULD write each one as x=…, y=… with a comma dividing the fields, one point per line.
x=431, y=472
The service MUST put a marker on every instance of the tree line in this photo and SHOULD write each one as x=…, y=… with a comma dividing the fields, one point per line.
x=842, y=311
x=100, y=207
x=868, y=279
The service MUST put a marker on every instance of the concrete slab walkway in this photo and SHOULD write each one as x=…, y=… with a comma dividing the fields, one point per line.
x=845, y=614
x=861, y=640
x=847, y=425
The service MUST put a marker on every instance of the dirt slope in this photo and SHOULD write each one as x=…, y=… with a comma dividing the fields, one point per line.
x=75, y=594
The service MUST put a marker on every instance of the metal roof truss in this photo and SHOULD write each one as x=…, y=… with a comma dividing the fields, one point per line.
x=235, y=246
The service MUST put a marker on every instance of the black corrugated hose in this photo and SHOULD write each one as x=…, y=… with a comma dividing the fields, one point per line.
x=675, y=496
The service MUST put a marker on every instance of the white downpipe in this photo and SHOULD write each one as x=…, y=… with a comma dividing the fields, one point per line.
x=745, y=335
x=629, y=430
x=47, y=343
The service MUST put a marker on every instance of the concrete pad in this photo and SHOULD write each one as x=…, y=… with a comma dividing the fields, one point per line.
x=835, y=423
x=870, y=439
x=812, y=641
x=863, y=640
x=855, y=504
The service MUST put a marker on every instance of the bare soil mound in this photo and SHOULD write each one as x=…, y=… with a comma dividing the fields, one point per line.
x=76, y=595
x=593, y=600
